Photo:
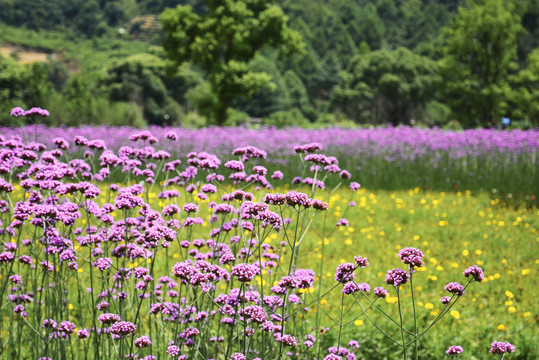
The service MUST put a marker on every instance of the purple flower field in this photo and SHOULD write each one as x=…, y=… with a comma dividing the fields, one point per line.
x=103, y=259
x=408, y=143
x=385, y=158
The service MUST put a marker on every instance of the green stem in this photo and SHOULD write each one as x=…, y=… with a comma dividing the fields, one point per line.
x=442, y=313
x=415, y=317
x=375, y=324
x=401, y=325
x=340, y=323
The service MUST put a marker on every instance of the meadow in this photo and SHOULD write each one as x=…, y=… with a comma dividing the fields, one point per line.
x=454, y=231
x=169, y=244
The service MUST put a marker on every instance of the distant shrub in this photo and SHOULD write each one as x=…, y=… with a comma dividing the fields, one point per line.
x=292, y=117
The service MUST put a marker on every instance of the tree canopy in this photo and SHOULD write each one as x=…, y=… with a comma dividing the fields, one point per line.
x=480, y=51
x=386, y=85
x=223, y=40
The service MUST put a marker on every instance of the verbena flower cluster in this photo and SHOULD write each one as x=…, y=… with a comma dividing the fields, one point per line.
x=412, y=257
x=130, y=253
x=500, y=347
x=454, y=350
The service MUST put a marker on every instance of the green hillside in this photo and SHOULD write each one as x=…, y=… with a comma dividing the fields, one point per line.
x=362, y=62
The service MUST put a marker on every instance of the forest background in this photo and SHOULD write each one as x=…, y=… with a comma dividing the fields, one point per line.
x=448, y=63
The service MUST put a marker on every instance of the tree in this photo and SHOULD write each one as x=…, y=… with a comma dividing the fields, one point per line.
x=479, y=53
x=222, y=41
x=136, y=79
x=270, y=99
x=529, y=11
x=298, y=94
x=386, y=85
x=525, y=99
x=370, y=29
x=22, y=85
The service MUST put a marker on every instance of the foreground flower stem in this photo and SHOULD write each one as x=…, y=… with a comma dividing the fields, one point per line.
x=442, y=313
x=320, y=271
x=401, y=325
x=384, y=313
x=413, y=307
x=94, y=312
x=374, y=323
x=340, y=322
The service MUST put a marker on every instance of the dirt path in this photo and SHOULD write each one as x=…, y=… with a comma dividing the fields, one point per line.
x=24, y=56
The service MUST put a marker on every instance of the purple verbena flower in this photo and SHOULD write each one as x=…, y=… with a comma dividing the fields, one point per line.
x=238, y=356
x=249, y=152
x=6, y=257
x=17, y=111
x=332, y=357
x=361, y=261
x=308, y=148
x=455, y=288
x=412, y=257
x=254, y=313
x=498, y=347
x=171, y=135
x=445, y=300
x=67, y=327
x=208, y=188
x=475, y=272
x=83, y=334
x=277, y=175
x=108, y=318
x=36, y=111
x=397, y=277
x=170, y=210
x=270, y=218
x=103, y=263
x=345, y=272
x=294, y=198
x=188, y=333
x=287, y=340
x=245, y=272
x=122, y=328
x=364, y=287
x=349, y=288
x=454, y=350
x=173, y=350
x=345, y=174
x=190, y=207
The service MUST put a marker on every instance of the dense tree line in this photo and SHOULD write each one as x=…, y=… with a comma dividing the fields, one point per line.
x=371, y=62
x=85, y=17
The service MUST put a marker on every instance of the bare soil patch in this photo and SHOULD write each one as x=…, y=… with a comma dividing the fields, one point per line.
x=24, y=56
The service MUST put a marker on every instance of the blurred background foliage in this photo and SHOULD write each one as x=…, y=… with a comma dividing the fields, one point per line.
x=309, y=63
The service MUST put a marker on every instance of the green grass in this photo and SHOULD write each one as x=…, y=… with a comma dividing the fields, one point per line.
x=491, y=176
